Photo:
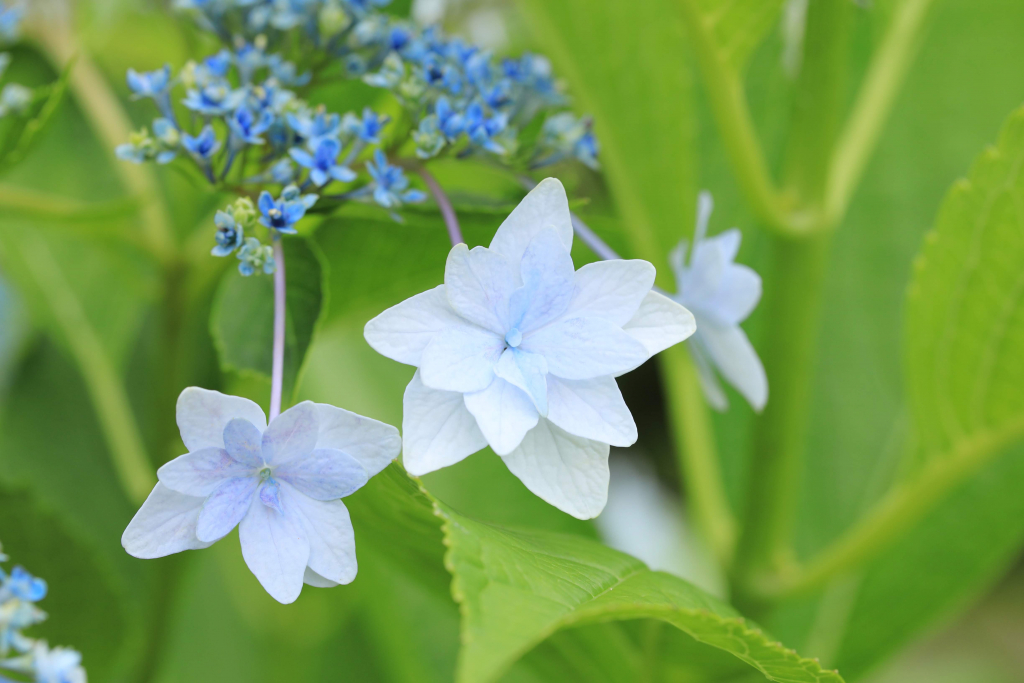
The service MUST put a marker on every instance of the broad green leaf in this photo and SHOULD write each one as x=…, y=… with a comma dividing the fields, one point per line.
x=738, y=26
x=242, y=319
x=518, y=588
x=965, y=313
x=627, y=65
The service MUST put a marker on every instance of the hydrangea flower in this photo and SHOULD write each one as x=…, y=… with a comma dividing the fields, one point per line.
x=254, y=256
x=280, y=483
x=390, y=183
x=721, y=295
x=246, y=126
x=202, y=146
x=46, y=665
x=155, y=85
x=282, y=214
x=323, y=162
x=367, y=128
x=229, y=234
x=519, y=351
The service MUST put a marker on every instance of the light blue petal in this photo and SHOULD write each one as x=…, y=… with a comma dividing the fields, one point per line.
x=200, y=472
x=325, y=474
x=292, y=434
x=225, y=508
x=243, y=442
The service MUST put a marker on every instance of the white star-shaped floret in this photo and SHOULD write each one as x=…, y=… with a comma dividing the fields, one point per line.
x=721, y=295
x=519, y=351
x=280, y=484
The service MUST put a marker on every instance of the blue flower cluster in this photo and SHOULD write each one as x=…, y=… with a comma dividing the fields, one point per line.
x=249, y=129
x=14, y=97
x=19, y=591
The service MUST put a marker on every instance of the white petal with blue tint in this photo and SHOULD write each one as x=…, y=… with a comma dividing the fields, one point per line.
x=225, y=507
x=374, y=444
x=311, y=578
x=165, y=524
x=202, y=415
x=403, y=331
x=479, y=283
x=528, y=371
x=504, y=414
x=581, y=348
x=198, y=473
x=461, y=359
x=325, y=474
x=292, y=434
x=437, y=429
x=591, y=408
x=244, y=442
x=276, y=549
x=328, y=529
x=612, y=290
x=736, y=359
x=547, y=275
x=567, y=471
x=546, y=206
x=660, y=323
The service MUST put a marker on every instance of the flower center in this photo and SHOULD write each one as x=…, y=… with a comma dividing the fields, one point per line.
x=265, y=473
x=514, y=337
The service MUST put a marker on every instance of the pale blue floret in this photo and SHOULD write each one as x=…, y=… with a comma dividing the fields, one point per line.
x=215, y=99
x=203, y=146
x=314, y=128
x=10, y=22
x=247, y=126
x=323, y=163
x=254, y=256
x=155, y=85
x=367, y=128
x=22, y=585
x=229, y=234
x=390, y=183
x=282, y=214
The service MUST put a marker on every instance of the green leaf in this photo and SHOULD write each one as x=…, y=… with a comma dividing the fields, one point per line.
x=738, y=26
x=518, y=588
x=242, y=319
x=627, y=66
x=965, y=307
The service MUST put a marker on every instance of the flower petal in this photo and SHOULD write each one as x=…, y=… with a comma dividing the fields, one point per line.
x=225, y=507
x=527, y=371
x=198, y=473
x=437, y=429
x=591, y=408
x=276, y=549
x=325, y=474
x=374, y=444
x=736, y=297
x=504, y=414
x=660, y=323
x=612, y=290
x=292, y=434
x=581, y=348
x=311, y=578
x=547, y=274
x=244, y=442
x=403, y=331
x=461, y=359
x=332, y=543
x=709, y=384
x=567, y=471
x=479, y=284
x=202, y=415
x=736, y=359
x=546, y=206
x=165, y=524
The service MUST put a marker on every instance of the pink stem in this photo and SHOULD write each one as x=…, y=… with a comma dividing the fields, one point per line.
x=451, y=221
x=277, y=371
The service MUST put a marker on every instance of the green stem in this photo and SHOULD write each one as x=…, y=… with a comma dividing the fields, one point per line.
x=900, y=509
x=793, y=295
x=886, y=72
x=696, y=452
x=729, y=102
x=101, y=379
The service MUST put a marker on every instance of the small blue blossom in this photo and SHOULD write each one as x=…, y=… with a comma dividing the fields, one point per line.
x=248, y=58
x=14, y=99
x=449, y=121
x=149, y=83
x=214, y=99
x=428, y=138
x=21, y=585
x=281, y=214
x=323, y=163
x=390, y=183
x=285, y=72
x=314, y=128
x=203, y=146
x=246, y=126
x=254, y=256
x=482, y=129
x=229, y=234
x=283, y=171
x=391, y=73
x=367, y=128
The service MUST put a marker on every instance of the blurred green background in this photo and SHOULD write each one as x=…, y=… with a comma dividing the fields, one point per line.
x=945, y=604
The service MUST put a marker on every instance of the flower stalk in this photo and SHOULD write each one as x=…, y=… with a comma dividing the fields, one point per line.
x=280, y=301
x=451, y=221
